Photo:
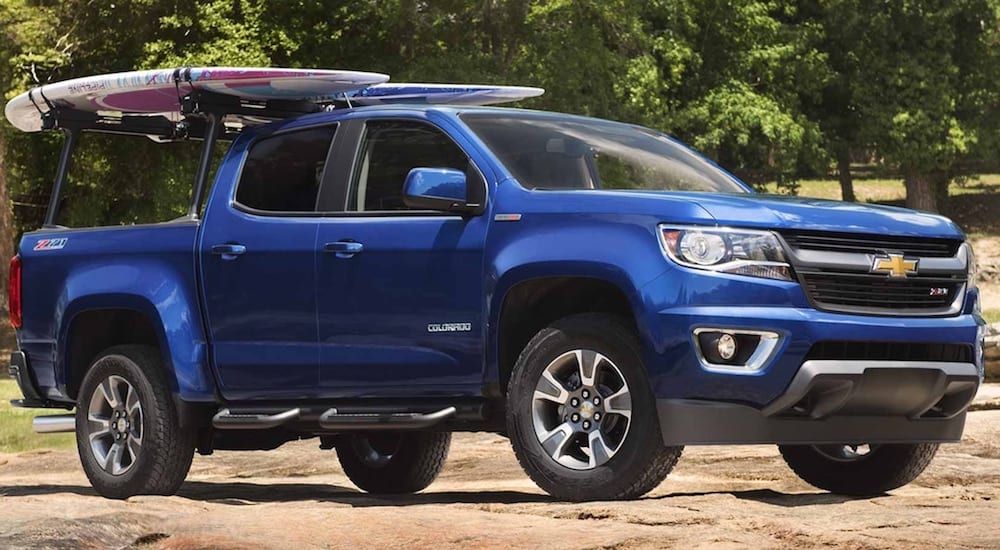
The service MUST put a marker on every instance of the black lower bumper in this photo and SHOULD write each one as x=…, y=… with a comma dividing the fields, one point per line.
x=837, y=402
x=33, y=399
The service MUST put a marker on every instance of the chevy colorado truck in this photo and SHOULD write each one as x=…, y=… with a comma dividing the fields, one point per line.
x=380, y=277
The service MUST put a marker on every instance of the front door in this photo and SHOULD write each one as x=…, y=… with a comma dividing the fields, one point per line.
x=400, y=292
x=259, y=276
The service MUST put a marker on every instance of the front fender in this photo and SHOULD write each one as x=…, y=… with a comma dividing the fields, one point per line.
x=623, y=251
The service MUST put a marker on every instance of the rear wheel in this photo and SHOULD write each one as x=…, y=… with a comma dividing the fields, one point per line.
x=859, y=470
x=127, y=432
x=581, y=414
x=393, y=462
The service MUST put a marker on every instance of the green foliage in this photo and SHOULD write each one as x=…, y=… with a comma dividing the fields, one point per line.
x=16, y=434
x=771, y=89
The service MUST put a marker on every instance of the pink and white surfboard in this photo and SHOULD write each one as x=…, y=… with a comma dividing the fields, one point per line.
x=160, y=90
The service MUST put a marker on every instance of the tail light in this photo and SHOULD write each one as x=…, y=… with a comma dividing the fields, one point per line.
x=14, y=292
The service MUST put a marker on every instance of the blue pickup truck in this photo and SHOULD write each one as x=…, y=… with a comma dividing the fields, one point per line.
x=380, y=277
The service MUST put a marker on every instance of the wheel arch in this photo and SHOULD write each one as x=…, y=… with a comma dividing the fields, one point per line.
x=91, y=331
x=95, y=322
x=533, y=296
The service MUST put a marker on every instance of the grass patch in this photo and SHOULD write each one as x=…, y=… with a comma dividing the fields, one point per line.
x=887, y=189
x=991, y=315
x=16, y=434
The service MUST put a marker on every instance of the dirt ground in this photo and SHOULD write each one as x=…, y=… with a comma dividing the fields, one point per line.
x=297, y=497
x=987, y=249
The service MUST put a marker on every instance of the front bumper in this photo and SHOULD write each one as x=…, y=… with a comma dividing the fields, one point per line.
x=677, y=373
x=837, y=402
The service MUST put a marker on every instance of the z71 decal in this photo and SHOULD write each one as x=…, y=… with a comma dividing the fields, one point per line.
x=51, y=244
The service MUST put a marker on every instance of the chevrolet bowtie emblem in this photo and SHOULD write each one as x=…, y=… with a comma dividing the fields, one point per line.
x=895, y=266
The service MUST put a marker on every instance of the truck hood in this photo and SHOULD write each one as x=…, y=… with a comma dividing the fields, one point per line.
x=783, y=212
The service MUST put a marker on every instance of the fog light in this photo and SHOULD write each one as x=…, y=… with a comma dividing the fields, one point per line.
x=735, y=350
x=727, y=346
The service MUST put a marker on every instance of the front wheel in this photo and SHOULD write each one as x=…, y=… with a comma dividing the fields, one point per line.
x=859, y=470
x=581, y=415
x=393, y=462
x=127, y=431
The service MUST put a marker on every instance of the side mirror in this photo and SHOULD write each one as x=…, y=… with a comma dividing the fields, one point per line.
x=442, y=189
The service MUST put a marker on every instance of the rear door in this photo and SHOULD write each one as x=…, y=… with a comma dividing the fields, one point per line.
x=258, y=260
x=400, y=292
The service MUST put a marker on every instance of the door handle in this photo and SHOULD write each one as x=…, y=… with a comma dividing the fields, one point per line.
x=344, y=249
x=229, y=252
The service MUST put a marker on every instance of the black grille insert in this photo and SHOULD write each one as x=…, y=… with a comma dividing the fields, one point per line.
x=872, y=244
x=869, y=292
x=890, y=351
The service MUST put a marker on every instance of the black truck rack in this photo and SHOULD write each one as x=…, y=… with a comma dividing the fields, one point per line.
x=202, y=116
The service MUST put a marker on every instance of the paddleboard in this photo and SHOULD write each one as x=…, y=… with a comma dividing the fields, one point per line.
x=159, y=91
x=438, y=94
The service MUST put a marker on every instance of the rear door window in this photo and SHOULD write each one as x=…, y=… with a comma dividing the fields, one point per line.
x=282, y=174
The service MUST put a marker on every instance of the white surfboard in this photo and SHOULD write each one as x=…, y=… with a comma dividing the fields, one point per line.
x=159, y=91
x=438, y=94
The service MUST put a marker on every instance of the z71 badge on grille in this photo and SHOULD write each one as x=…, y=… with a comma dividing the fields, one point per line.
x=895, y=266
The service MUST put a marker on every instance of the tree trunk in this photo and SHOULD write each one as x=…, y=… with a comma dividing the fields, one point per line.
x=844, y=174
x=921, y=193
x=940, y=181
x=6, y=225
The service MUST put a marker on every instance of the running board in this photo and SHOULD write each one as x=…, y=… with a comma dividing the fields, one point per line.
x=333, y=420
x=228, y=420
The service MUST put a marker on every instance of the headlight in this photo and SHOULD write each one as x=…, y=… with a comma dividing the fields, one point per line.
x=739, y=251
x=972, y=270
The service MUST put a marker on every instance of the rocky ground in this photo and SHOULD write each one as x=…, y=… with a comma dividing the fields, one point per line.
x=297, y=497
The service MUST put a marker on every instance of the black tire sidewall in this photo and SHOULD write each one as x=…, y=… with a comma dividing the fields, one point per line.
x=643, y=441
x=157, y=406
x=885, y=468
x=415, y=464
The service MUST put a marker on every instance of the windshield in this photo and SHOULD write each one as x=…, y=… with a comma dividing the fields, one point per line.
x=550, y=152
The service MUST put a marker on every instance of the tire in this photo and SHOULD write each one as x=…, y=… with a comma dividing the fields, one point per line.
x=628, y=458
x=838, y=469
x=393, y=462
x=154, y=453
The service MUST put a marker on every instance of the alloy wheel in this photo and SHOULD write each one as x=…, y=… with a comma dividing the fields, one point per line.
x=114, y=425
x=581, y=409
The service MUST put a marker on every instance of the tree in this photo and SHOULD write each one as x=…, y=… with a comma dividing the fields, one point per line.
x=738, y=88
x=835, y=108
x=771, y=89
x=919, y=82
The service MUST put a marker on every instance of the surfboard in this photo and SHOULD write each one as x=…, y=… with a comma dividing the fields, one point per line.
x=438, y=94
x=159, y=91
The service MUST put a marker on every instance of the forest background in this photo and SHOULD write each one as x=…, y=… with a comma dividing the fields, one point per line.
x=778, y=92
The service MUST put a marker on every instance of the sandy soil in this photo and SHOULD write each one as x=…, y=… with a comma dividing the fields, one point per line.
x=987, y=249
x=297, y=497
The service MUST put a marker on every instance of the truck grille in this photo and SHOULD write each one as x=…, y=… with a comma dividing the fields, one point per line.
x=872, y=244
x=860, y=291
x=842, y=280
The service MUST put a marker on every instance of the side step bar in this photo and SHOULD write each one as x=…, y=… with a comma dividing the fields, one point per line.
x=332, y=420
x=54, y=424
x=227, y=420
